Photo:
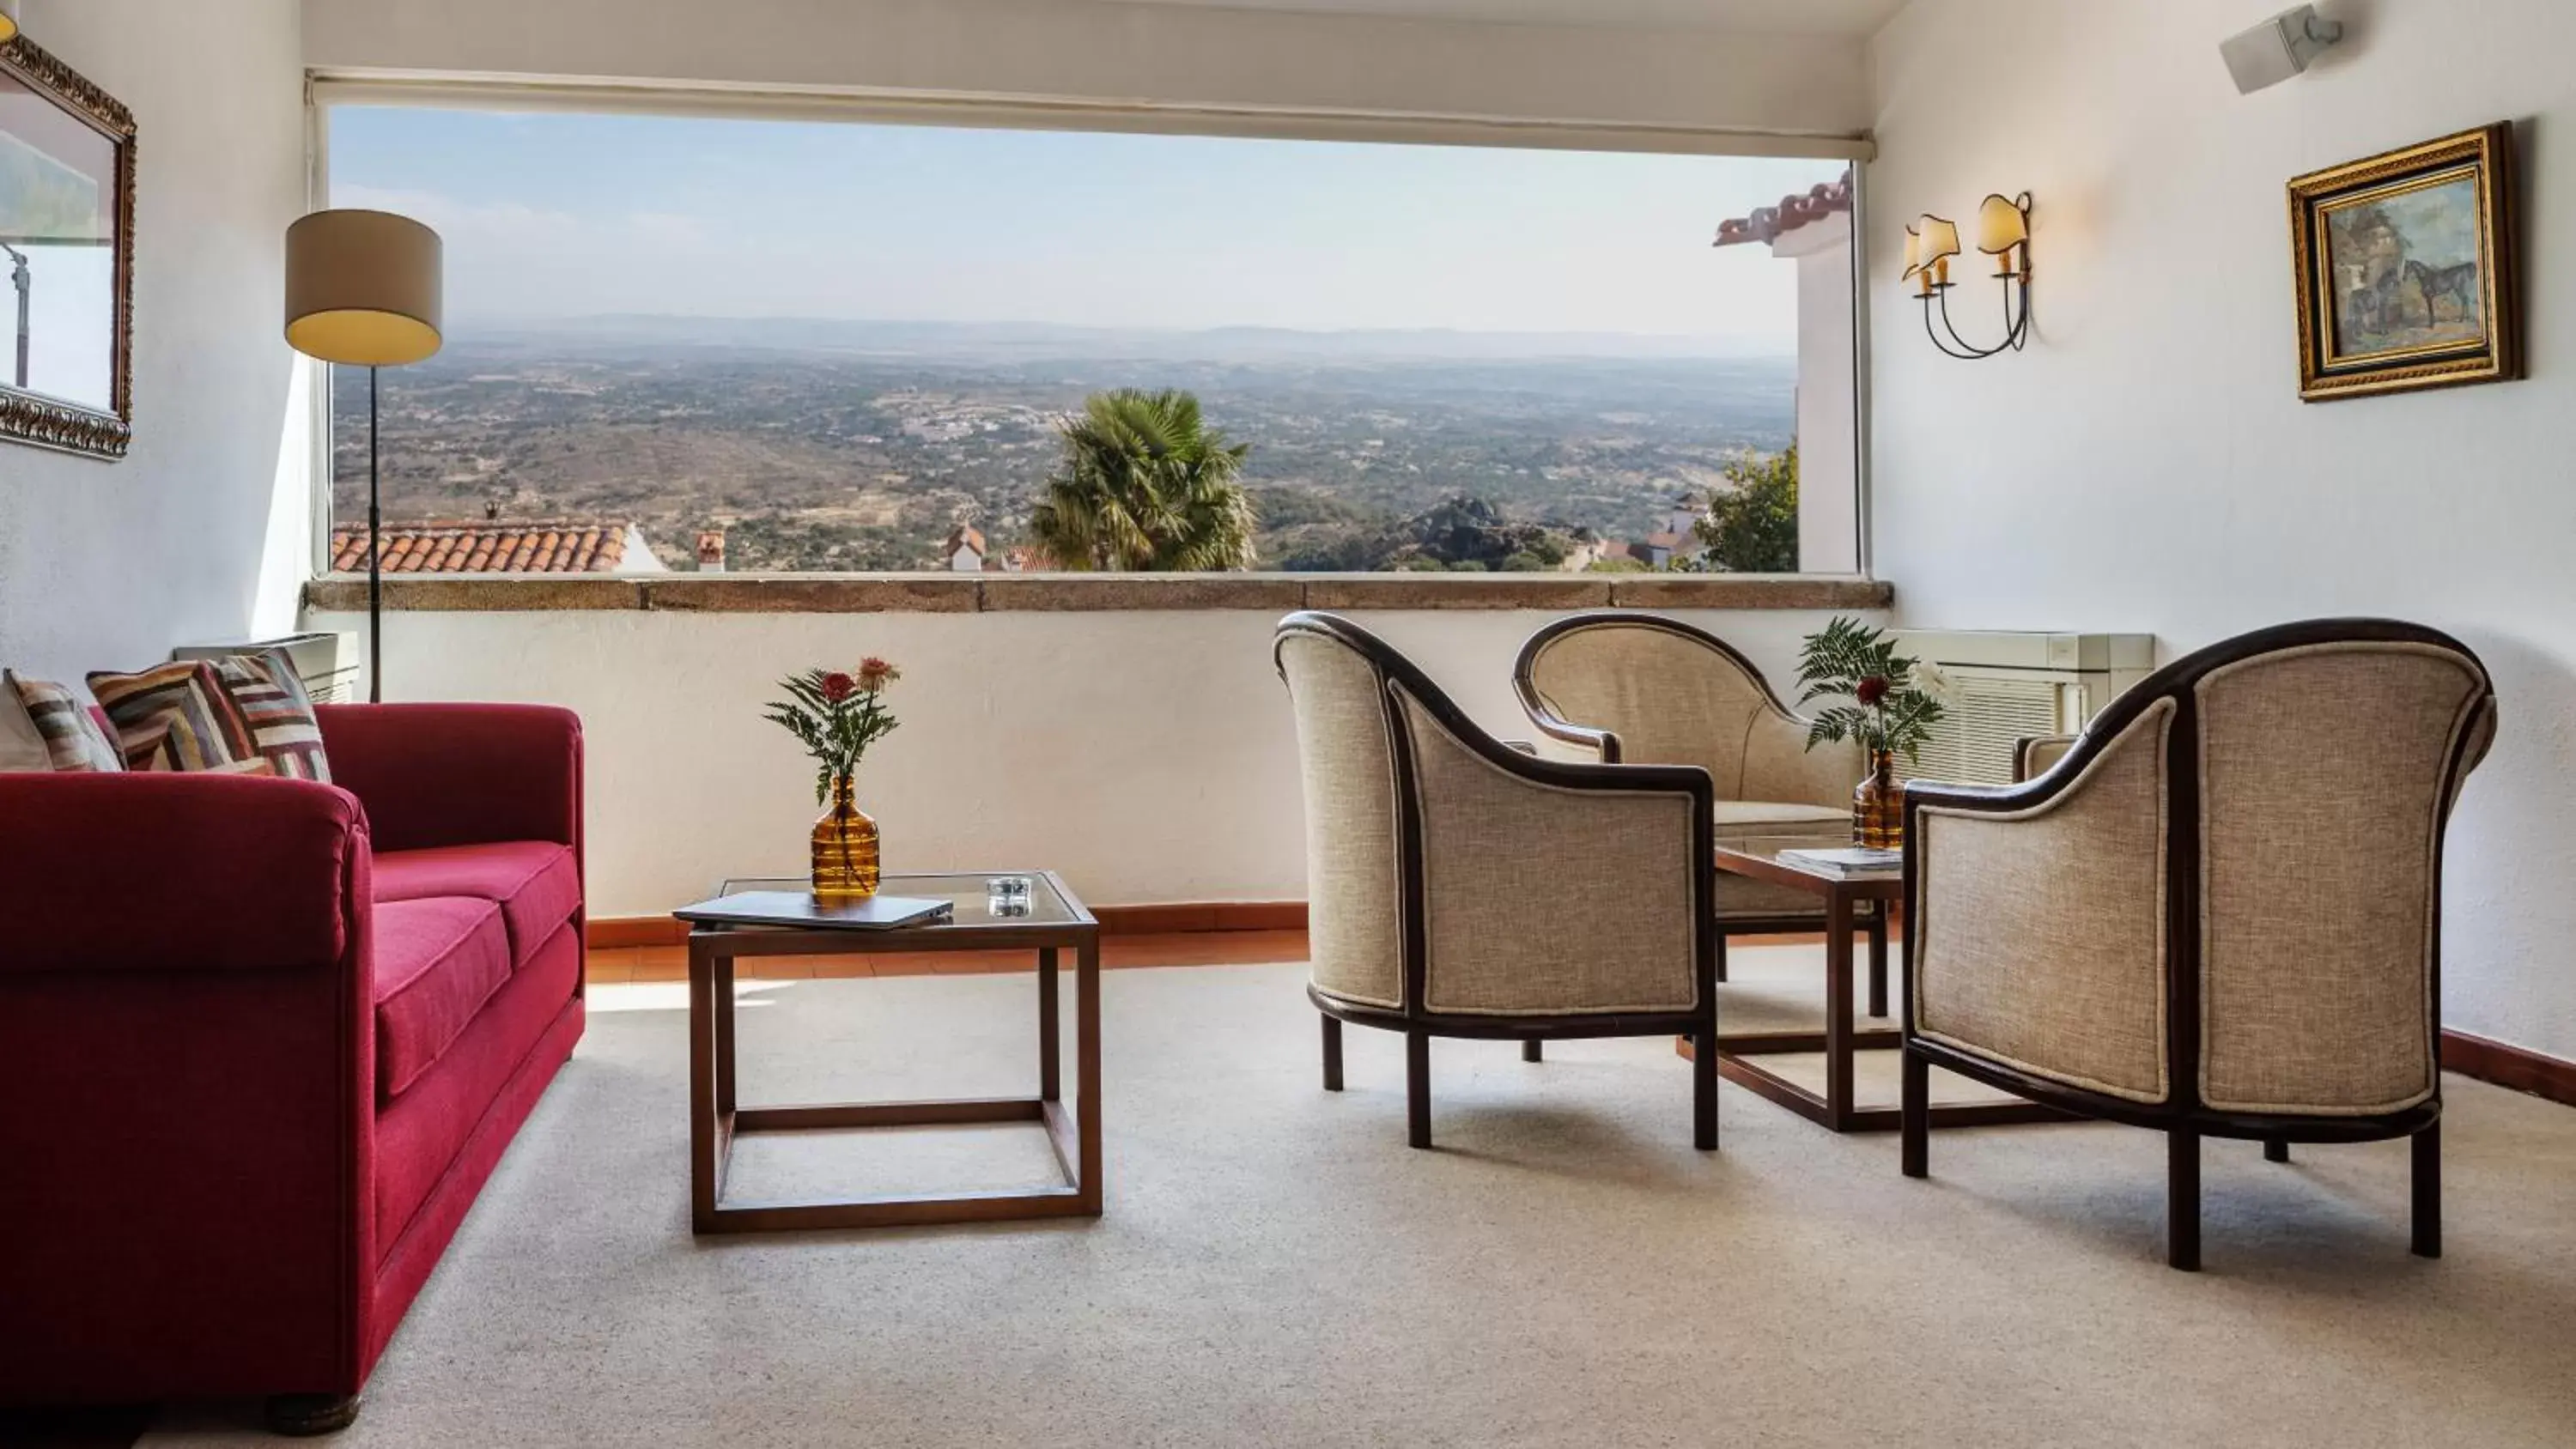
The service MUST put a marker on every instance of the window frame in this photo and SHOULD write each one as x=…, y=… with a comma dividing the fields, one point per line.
x=324, y=90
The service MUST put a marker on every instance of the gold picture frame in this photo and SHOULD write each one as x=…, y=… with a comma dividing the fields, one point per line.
x=2406, y=269
x=66, y=258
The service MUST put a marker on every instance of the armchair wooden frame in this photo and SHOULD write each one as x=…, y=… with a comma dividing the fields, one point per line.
x=2183, y=1116
x=1397, y=675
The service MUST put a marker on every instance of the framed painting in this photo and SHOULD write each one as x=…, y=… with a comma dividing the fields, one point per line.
x=66, y=258
x=2405, y=265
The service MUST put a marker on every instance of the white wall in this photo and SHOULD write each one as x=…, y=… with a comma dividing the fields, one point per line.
x=202, y=532
x=1094, y=51
x=2147, y=464
x=1828, y=422
x=1149, y=756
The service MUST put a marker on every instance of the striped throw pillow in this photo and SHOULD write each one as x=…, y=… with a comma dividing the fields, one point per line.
x=178, y=717
x=73, y=740
x=282, y=726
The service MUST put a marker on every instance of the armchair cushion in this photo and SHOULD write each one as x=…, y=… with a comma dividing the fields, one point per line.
x=437, y=962
x=536, y=883
x=1542, y=900
x=2039, y=934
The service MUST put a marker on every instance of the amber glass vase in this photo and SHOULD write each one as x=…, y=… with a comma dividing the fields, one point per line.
x=845, y=846
x=1878, y=805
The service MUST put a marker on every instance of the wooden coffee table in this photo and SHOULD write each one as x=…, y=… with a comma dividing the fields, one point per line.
x=1056, y=921
x=1758, y=857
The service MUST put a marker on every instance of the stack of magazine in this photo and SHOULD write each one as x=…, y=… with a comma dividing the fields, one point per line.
x=1847, y=860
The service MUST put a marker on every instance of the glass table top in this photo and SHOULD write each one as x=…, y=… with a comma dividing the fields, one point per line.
x=971, y=895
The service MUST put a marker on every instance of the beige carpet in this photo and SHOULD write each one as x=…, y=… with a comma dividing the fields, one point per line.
x=1276, y=1268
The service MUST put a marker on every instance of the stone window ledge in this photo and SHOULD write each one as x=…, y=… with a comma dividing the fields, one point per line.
x=1057, y=593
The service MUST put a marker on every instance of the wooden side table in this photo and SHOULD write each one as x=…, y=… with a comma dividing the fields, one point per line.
x=1759, y=858
x=1056, y=921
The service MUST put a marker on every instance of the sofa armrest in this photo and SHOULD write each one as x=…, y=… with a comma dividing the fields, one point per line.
x=158, y=872
x=458, y=774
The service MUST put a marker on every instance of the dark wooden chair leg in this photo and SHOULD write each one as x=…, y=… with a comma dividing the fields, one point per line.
x=301, y=1416
x=1915, y=1116
x=1530, y=1051
x=1332, y=1052
x=1417, y=1086
x=2276, y=1150
x=2428, y=1192
x=2182, y=1206
x=1704, y=1088
x=1721, y=955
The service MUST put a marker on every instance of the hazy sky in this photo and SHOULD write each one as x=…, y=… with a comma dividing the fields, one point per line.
x=554, y=215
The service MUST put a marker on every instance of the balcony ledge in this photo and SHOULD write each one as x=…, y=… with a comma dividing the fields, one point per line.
x=1058, y=593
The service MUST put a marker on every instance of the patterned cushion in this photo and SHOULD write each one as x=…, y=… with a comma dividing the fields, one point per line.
x=72, y=738
x=281, y=719
x=178, y=717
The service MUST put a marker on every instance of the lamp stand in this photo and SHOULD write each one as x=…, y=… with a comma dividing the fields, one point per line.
x=375, y=553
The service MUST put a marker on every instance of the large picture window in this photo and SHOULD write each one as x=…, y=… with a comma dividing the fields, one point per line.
x=680, y=342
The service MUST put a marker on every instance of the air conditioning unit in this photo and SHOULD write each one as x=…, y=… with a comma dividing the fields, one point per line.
x=332, y=666
x=2006, y=687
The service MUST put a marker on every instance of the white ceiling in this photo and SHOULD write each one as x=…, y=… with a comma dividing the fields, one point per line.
x=1801, y=17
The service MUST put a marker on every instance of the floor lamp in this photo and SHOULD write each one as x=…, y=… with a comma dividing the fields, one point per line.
x=362, y=288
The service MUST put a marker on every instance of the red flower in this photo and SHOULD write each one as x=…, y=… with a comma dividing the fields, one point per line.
x=876, y=674
x=837, y=687
x=1870, y=691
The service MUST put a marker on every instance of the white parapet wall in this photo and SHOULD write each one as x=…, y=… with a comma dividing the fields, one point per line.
x=1148, y=755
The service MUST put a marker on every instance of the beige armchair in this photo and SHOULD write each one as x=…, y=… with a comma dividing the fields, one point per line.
x=1643, y=689
x=1459, y=888
x=2218, y=914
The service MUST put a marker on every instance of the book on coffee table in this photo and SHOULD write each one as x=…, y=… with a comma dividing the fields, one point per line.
x=1844, y=861
x=798, y=908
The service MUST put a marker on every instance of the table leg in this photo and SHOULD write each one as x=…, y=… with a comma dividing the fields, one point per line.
x=724, y=1035
x=702, y=1087
x=1050, y=1030
x=1086, y=1039
x=1878, y=960
x=1838, y=1012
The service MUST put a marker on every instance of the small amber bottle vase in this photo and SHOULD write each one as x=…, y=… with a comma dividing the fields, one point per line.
x=1878, y=805
x=845, y=846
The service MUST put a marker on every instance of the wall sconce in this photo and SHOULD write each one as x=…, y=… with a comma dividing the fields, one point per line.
x=2003, y=232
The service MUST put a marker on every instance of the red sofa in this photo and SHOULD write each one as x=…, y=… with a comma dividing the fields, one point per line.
x=264, y=1041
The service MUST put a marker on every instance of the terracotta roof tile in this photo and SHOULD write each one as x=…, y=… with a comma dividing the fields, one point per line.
x=484, y=548
x=1794, y=211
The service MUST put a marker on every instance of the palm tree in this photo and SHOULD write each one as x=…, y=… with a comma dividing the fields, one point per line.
x=1144, y=485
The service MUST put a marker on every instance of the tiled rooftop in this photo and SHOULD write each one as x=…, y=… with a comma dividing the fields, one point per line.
x=1767, y=223
x=485, y=548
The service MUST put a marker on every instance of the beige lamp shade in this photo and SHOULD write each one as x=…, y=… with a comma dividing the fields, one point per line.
x=2001, y=226
x=1940, y=240
x=362, y=287
x=1913, y=254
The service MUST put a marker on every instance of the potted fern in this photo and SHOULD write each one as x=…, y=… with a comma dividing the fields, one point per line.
x=1878, y=699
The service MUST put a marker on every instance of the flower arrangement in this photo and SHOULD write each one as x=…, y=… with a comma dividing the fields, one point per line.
x=1893, y=700
x=836, y=716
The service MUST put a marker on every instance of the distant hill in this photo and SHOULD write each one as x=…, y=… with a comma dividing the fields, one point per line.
x=859, y=445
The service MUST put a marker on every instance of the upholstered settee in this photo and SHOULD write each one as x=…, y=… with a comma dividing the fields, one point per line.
x=264, y=1042
x=2217, y=912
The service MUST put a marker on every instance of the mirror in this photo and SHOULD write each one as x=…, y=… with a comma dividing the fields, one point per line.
x=66, y=258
